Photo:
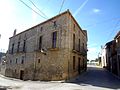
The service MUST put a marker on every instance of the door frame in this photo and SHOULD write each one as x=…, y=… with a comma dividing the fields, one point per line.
x=21, y=74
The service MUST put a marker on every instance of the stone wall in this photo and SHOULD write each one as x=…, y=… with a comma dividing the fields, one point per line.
x=52, y=63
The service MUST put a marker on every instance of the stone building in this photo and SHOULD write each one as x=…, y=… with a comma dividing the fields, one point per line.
x=103, y=57
x=111, y=59
x=117, y=39
x=3, y=65
x=111, y=55
x=52, y=50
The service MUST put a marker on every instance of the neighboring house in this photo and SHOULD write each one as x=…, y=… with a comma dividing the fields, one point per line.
x=103, y=57
x=53, y=50
x=1, y=54
x=111, y=59
x=111, y=55
x=3, y=65
x=117, y=38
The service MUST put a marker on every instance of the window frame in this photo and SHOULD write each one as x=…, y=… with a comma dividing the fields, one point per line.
x=54, y=39
x=73, y=41
x=40, y=42
x=73, y=62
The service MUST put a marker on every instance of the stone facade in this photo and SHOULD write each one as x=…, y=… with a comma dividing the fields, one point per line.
x=103, y=57
x=111, y=55
x=53, y=50
x=3, y=65
x=117, y=39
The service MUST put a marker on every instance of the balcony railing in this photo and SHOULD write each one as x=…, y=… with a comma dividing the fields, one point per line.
x=20, y=50
x=80, y=52
x=46, y=49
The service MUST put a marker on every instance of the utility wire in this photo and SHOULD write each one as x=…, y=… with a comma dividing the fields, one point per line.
x=38, y=8
x=38, y=13
x=47, y=1
x=32, y=9
x=113, y=30
x=61, y=6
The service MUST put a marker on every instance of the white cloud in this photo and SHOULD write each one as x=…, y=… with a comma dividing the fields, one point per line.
x=81, y=6
x=95, y=10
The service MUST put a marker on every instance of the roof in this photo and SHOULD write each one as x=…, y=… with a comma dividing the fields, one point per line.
x=51, y=20
x=109, y=43
x=118, y=34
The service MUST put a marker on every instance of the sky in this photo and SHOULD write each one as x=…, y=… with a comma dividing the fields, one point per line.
x=99, y=17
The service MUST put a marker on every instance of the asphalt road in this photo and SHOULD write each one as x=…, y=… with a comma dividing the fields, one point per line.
x=97, y=77
x=94, y=79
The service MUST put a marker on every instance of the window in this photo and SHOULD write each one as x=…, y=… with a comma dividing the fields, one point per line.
x=41, y=29
x=74, y=27
x=119, y=60
x=15, y=70
x=55, y=25
x=79, y=33
x=83, y=46
x=16, y=60
x=22, y=61
x=10, y=61
x=79, y=45
x=73, y=41
x=12, y=48
x=74, y=62
x=79, y=65
x=54, y=39
x=83, y=63
x=40, y=43
x=24, y=45
x=18, y=46
x=38, y=60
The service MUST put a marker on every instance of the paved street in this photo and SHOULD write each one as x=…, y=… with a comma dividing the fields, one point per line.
x=94, y=79
x=98, y=77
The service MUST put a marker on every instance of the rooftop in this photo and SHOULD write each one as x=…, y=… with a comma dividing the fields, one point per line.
x=118, y=34
x=84, y=32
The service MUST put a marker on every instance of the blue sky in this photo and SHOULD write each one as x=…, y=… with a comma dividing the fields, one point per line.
x=99, y=17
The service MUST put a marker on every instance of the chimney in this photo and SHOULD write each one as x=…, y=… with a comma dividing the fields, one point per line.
x=14, y=32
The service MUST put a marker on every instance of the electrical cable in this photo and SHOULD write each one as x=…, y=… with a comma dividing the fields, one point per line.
x=38, y=8
x=61, y=6
x=32, y=9
x=113, y=30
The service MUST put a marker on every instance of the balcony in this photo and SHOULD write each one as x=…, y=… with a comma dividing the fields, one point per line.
x=46, y=49
x=42, y=50
x=21, y=50
x=81, y=52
